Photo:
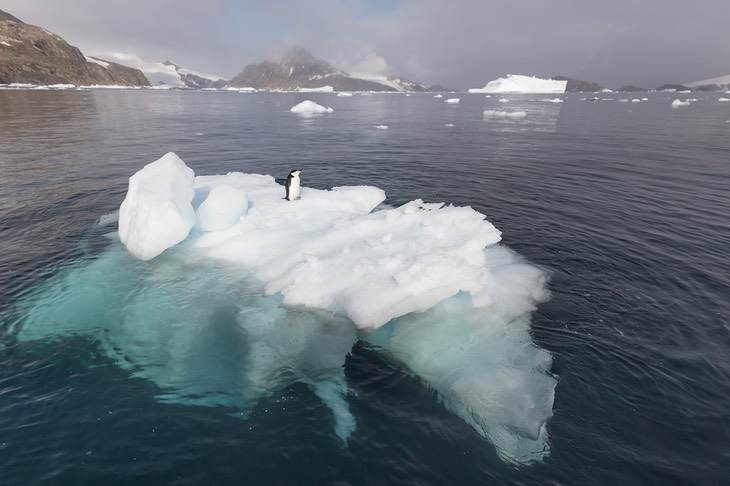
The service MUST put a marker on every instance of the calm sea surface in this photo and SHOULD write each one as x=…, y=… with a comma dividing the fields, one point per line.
x=626, y=204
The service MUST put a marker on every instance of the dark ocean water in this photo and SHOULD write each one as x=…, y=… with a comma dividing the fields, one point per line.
x=626, y=204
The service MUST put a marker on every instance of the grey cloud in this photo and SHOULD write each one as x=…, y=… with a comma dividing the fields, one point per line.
x=461, y=44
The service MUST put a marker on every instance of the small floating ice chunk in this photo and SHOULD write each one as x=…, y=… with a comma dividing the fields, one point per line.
x=723, y=99
x=381, y=127
x=157, y=212
x=108, y=219
x=309, y=107
x=438, y=96
x=677, y=103
x=452, y=101
x=554, y=100
x=504, y=114
x=503, y=100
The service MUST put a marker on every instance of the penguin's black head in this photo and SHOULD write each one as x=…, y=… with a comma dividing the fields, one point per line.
x=295, y=172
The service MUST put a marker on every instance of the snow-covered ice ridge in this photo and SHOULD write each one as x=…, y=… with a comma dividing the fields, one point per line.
x=221, y=292
x=517, y=83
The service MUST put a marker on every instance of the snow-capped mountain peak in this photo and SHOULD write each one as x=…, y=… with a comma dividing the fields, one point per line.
x=167, y=73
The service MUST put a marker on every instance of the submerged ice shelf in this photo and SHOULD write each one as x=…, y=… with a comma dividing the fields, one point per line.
x=221, y=292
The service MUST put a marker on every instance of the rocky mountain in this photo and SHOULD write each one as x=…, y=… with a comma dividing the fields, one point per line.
x=630, y=89
x=403, y=84
x=714, y=84
x=711, y=87
x=194, y=80
x=33, y=55
x=298, y=69
x=672, y=87
x=168, y=74
x=579, y=85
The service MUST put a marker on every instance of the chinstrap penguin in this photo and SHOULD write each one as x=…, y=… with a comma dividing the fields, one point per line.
x=293, y=185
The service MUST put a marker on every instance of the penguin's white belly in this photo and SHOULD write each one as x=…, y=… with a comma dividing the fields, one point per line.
x=294, y=189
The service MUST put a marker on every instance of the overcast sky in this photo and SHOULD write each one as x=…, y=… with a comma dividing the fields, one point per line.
x=456, y=43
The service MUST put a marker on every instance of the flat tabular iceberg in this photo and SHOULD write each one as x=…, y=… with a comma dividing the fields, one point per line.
x=321, y=89
x=265, y=292
x=504, y=114
x=516, y=83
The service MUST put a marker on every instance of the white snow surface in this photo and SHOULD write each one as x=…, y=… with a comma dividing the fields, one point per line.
x=97, y=61
x=309, y=107
x=395, y=262
x=392, y=82
x=158, y=73
x=229, y=293
x=222, y=207
x=517, y=83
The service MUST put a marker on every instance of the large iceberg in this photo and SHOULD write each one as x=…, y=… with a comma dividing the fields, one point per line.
x=517, y=83
x=263, y=292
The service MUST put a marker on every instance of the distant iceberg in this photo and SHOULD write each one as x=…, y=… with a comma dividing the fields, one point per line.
x=309, y=107
x=504, y=114
x=516, y=83
x=321, y=89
